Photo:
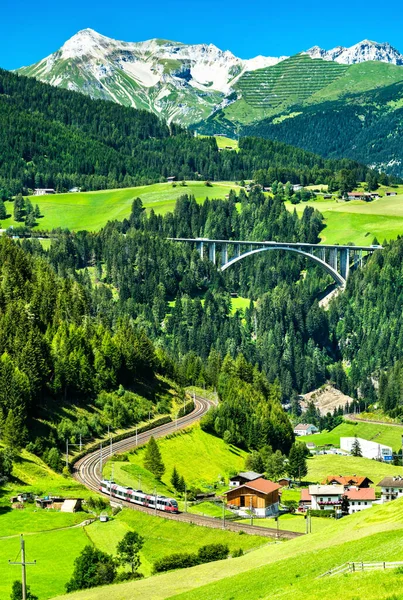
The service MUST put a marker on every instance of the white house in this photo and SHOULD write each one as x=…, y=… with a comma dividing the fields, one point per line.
x=330, y=497
x=391, y=488
x=305, y=429
x=326, y=497
x=297, y=187
x=368, y=449
x=44, y=191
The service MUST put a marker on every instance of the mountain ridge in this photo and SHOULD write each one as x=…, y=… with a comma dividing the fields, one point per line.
x=180, y=82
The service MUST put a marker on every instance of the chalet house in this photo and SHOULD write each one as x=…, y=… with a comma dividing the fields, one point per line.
x=260, y=496
x=347, y=481
x=305, y=429
x=391, y=488
x=391, y=193
x=284, y=482
x=245, y=477
x=362, y=196
x=44, y=191
x=171, y=179
x=330, y=497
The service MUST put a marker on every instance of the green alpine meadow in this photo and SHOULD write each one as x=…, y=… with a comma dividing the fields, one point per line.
x=201, y=293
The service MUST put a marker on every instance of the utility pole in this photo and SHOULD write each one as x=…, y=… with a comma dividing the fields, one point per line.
x=155, y=496
x=67, y=454
x=111, y=446
x=250, y=509
x=223, y=513
x=23, y=564
x=278, y=528
x=81, y=444
x=100, y=457
x=136, y=435
x=186, y=498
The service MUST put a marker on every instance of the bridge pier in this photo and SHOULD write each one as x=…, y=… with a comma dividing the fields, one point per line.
x=211, y=252
x=344, y=262
x=224, y=254
x=199, y=248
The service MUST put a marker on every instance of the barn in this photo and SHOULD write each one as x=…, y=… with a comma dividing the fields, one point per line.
x=261, y=496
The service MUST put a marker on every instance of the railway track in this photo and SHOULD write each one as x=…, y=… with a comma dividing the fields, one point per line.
x=88, y=472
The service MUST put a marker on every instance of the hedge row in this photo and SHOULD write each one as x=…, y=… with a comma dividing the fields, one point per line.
x=205, y=554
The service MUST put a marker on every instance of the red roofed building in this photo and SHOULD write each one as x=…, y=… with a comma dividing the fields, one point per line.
x=330, y=497
x=348, y=481
x=261, y=496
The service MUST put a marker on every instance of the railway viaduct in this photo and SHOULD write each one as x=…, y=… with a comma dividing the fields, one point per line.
x=334, y=259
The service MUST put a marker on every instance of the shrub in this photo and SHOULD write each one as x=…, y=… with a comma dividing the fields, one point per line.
x=212, y=552
x=237, y=552
x=175, y=561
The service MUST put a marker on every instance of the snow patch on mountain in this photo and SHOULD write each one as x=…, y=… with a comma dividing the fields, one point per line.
x=364, y=51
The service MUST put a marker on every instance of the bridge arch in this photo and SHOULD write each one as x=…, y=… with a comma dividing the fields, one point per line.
x=332, y=272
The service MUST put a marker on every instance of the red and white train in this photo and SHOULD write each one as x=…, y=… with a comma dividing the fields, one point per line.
x=138, y=497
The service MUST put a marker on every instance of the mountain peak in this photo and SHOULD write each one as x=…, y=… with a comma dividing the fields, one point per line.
x=366, y=50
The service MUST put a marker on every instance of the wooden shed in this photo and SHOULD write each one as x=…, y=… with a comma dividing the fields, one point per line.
x=260, y=495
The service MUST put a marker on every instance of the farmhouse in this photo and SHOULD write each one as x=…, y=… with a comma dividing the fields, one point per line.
x=391, y=193
x=305, y=429
x=330, y=497
x=368, y=449
x=391, y=488
x=284, y=482
x=347, y=481
x=44, y=191
x=242, y=478
x=261, y=496
x=171, y=179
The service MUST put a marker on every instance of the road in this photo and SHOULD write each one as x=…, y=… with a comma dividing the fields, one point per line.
x=88, y=472
x=357, y=419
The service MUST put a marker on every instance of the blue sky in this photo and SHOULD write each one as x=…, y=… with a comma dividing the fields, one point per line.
x=31, y=29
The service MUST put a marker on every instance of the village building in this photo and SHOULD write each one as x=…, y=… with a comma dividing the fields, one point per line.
x=44, y=191
x=330, y=497
x=369, y=449
x=297, y=187
x=284, y=481
x=305, y=429
x=74, y=190
x=391, y=193
x=347, y=481
x=391, y=488
x=260, y=496
x=171, y=179
x=244, y=477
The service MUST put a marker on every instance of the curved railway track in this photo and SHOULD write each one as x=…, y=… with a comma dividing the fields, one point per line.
x=88, y=472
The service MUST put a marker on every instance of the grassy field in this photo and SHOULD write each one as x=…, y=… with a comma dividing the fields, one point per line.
x=383, y=434
x=31, y=474
x=164, y=537
x=359, y=221
x=203, y=459
x=292, y=522
x=289, y=570
x=319, y=467
x=92, y=210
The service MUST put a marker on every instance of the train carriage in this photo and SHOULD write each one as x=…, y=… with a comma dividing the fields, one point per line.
x=138, y=497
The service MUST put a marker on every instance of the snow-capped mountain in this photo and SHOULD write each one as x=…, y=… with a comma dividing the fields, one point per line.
x=179, y=81
x=362, y=52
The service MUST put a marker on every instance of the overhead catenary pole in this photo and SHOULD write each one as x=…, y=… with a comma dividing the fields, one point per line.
x=23, y=564
x=186, y=498
x=100, y=459
x=67, y=454
x=155, y=500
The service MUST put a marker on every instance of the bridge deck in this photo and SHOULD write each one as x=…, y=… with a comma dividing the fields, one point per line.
x=279, y=244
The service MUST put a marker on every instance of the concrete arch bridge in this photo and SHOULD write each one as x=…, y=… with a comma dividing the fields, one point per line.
x=334, y=259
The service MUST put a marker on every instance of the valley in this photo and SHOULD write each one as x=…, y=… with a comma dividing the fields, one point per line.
x=159, y=435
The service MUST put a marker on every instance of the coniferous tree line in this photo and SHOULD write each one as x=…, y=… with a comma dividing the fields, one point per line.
x=54, y=138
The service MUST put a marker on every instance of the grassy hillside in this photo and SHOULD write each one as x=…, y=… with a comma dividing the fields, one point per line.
x=201, y=458
x=361, y=221
x=319, y=467
x=382, y=434
x=92, y=210
x=291, y=569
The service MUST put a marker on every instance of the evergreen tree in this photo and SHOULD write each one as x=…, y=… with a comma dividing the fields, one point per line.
x=19, y=208
x=3, y=211
x=181, y=484
x=356, y=448
x=175, y=479
x=128, y=550
x=297, y=466
x=153, y=460
x=13, y=434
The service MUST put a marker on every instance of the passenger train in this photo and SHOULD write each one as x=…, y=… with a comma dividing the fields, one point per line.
x=138, y=497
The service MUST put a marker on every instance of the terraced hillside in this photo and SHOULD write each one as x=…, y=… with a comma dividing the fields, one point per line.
x=289, y=82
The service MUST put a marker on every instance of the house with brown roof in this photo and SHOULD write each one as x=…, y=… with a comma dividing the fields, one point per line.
x=391, y=488
x=348, y=481
x=244, y=477
x=259, y=496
